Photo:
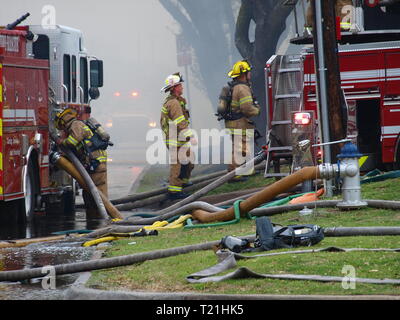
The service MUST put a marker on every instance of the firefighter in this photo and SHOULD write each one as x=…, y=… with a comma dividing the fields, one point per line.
x=78, y=138
x=175, y=120
x=341, y=11
x=243, y=107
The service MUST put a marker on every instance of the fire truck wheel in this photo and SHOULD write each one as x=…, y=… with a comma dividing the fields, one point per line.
x=28, y=204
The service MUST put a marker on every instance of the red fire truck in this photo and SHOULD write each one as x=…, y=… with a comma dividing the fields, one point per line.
x=42, y=70
x=369, y=59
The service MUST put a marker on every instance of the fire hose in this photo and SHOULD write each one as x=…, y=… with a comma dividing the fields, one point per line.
x=105, y=263
x=307, y=173
x=251, y=163
x=79, y=173
x=170, y=211
x=160, y=191
x=159, y=198
x=150, y=198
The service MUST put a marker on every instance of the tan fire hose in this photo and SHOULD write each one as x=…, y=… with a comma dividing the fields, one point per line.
x=65, y=164
x=265, y=195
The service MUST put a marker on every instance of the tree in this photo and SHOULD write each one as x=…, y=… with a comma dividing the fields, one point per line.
x=208, y=26
x=269, y=17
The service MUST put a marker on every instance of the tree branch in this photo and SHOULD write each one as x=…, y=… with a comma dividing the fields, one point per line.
x=242, y=40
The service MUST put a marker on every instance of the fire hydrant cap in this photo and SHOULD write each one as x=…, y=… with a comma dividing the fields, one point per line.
x=349, y=150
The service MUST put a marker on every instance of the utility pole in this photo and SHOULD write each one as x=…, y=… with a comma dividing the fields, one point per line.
x=328, y=85
x=184, y=57
x=187, y=85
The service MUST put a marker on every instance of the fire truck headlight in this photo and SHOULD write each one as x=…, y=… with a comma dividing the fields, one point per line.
x=302, y=118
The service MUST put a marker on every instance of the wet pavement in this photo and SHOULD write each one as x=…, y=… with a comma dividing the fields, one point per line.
x=38, y=255
x=121, y=177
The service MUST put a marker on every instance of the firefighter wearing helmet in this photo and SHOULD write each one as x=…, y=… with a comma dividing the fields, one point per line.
x=175, y=121
x=243, y=106
x=78, y=138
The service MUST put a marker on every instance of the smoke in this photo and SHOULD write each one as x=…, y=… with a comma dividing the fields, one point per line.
x=136, y=41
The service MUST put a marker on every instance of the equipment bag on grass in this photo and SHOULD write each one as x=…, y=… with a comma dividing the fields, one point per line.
x=269, y=237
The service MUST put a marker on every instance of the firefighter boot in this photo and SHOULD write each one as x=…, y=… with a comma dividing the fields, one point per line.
x=177, y=195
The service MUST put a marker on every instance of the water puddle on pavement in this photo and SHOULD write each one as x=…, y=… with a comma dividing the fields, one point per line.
x=43, y=254
x=121, y=177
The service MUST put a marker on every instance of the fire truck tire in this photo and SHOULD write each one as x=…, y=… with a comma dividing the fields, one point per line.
x=28, y=204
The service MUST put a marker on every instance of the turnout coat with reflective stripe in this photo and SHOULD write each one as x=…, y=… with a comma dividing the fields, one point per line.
x=79, y=137
x=242, y=102
x=174, y=113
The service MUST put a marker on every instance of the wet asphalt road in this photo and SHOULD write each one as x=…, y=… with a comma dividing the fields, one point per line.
x=121, y=176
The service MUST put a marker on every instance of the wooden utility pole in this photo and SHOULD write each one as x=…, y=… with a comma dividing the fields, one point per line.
x=335, y=100
x=330, y=97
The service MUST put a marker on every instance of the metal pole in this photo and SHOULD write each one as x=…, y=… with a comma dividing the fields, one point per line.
x=187, y=87
x=323, y=99
x=295, y=20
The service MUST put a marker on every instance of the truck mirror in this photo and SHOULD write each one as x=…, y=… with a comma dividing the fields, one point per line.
x=94, y=93
x=96, y=73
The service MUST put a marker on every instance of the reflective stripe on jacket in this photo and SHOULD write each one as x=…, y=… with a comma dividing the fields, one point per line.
x=79, y=138
x=175, y=114
x=242, y=101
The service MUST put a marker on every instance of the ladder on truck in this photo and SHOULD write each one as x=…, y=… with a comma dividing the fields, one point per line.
x=287, y=91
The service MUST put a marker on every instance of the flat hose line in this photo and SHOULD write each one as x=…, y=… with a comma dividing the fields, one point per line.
x=19, y=275
x=228, y=261
x=82, y=293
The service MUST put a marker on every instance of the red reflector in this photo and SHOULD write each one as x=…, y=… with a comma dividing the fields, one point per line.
x=302, y=118
x=371, y=3
x=338, y=29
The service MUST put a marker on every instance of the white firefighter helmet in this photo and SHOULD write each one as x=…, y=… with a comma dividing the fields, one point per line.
x=172, y=81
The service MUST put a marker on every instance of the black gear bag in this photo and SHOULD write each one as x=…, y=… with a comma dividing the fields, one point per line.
x=269, y=237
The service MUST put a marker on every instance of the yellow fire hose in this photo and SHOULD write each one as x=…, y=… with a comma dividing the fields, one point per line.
x=158, y=225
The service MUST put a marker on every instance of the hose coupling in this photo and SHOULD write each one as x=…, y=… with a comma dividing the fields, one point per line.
x=328, y=171
x=54, y=157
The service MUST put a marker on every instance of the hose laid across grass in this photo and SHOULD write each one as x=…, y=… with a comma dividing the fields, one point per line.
x=182, y=210
x=157, y=195
x=160, y=191
x=220, y=181
x=105, y=263
x=265, y=195
x=159, y=198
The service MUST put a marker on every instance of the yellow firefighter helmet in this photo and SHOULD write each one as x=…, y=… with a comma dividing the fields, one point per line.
x=239, y=68
x=61, y=117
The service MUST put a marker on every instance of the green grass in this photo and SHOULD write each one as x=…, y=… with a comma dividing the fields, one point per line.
x=169, y=274
x=155, y=177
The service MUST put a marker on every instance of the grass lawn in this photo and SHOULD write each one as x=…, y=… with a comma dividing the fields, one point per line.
x=169, y=274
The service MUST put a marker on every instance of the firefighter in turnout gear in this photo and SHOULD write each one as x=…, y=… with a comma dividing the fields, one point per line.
x=175, y=121
x=78, y=138
x=243, y=106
